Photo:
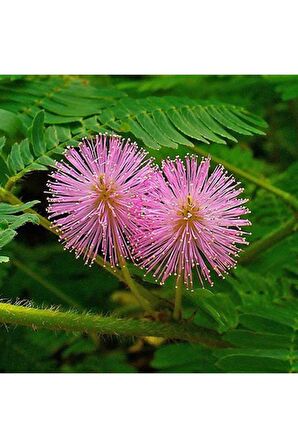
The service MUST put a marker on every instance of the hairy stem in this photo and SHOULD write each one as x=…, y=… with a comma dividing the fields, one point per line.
x=64, y=298
x=177, y=313
x=261, y=182
x=71, y=321
x=270, y=240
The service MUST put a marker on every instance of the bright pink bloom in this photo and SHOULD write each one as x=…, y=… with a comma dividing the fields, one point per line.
x=192, y=221
x=97, y=196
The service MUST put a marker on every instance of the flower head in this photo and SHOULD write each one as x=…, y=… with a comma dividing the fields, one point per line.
x=97, y=196
x=192, y=221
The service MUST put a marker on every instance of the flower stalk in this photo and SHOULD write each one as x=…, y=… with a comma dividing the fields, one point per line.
x=133, y=287
x=177, y=313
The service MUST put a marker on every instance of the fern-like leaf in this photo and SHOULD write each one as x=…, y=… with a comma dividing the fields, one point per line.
x=64, y=99
x=35, y=153
x=169, y=121
x=157, y=122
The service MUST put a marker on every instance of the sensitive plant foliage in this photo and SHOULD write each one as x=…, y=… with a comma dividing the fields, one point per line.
x=252, y=314
x=193, y=220
x=10, y=221
x=97, y=195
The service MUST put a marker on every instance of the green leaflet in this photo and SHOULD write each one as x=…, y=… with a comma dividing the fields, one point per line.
x=6, y=236
x=183, y=358
x=36, y=153
x=10, y=221
x=218, y=307
x=51, y=137
x=148, y=123
x=3, y=165
x=168, y=129
x=38, y=135
x=257, y=361
x=250, y=339
x=266, y=337
x=9, y=123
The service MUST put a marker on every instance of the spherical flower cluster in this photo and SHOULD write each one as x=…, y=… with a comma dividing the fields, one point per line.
x=97, y=197
x=194, y=220
x=108, y=198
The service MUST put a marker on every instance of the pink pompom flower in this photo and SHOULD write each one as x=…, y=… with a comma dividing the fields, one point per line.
x=97, y=195
x=193, y=220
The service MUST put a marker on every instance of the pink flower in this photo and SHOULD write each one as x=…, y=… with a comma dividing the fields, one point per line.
x=192, y=221
x=97, y=196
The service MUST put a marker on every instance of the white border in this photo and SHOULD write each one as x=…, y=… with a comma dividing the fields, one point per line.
x=148, y=411
x=149, y=36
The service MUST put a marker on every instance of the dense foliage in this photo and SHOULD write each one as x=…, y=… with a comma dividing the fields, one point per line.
x=245, y=323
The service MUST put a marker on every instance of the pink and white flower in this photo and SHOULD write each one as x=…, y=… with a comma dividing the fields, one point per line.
x=193, y=222
x=97, y=196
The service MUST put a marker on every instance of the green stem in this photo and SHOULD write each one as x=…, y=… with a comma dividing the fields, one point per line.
x=46, y=284
x=71, y=321
x=134, y=287
x=261, y=182
x=270, y=240
x=11, y=181
x=177, y=313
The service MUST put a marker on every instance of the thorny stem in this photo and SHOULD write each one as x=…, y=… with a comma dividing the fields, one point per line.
x=178, y=299
x=261, y=182
x=270, y=240
x=85, y=323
